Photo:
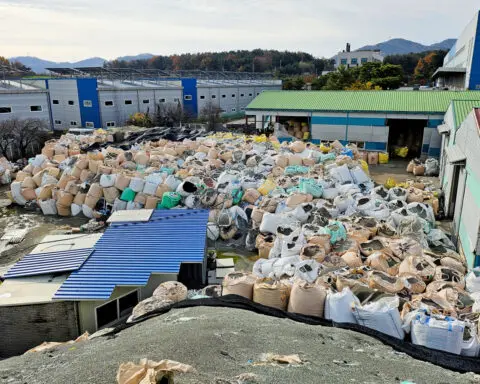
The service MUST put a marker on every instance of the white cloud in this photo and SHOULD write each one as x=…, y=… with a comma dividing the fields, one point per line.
x=76, y=29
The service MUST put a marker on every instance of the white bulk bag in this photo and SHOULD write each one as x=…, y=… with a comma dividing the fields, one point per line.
x=131, y=206
x=471, y=346
x=381, y=315
x=441, y=333
x=172, y=182
x=76, y=209
x=472, y=280
x=270, y=222
x=307, y=270
x=285, y=266
x=48, y=179
x=16, y=190
x=359, y=176
x=38, y=160
x=119, y=205
x=150, y=188
x=48, y=207
x=155, y=178
x=87, y=211
x=107, y=181
x=137, y=184
x=330, y=193
x=213, y=232
x=338, y=306
x=341, y=174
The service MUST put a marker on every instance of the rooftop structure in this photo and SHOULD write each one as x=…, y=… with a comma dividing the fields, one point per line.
x=350, y=59
x=461, y=66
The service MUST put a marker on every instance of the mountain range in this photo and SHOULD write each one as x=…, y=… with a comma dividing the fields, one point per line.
x=390, y=47
x=402, y=46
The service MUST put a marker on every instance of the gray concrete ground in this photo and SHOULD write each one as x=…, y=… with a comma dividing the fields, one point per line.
x=397, y=169
x=223, y=343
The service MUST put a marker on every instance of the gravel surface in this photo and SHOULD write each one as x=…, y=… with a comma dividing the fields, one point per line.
x=222, y=344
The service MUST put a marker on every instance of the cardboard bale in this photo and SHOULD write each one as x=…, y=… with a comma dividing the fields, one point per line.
x=151, y=202
x=95, y=190
x=110, y=194
x=63, y=210
x=79, y=198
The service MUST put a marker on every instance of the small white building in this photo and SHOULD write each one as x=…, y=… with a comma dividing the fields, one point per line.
x=350, y=59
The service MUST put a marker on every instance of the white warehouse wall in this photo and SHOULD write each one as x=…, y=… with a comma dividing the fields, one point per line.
x=20, y=103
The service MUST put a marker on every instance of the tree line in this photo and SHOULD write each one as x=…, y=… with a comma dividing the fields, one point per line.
x=394, y=72
x=257, y=60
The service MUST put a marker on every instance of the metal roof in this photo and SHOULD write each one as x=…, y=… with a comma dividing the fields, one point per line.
x=462, y=108
x=55, y=254
x=128, y=253
x=360, y=101
x=51, y=262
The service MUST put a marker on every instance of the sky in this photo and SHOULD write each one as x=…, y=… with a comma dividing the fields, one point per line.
x=72, y=30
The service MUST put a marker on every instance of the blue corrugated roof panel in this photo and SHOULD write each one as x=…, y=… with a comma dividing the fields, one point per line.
x=49, y=262
x=128, y=253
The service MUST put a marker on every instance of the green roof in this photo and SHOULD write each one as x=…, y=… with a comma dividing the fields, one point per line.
x=461, y=109
x=360, y=101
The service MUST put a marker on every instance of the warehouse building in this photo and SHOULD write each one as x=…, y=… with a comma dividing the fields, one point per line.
x=460, y=174
x=374, y=120
x=23, y=100
x=461, y=66
x=100, y=98
x=71, y=284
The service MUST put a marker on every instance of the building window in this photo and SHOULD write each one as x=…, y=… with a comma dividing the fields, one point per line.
x=128, y=102
x=116, y=309
x=89, y=124
x=188, y=97
x=242, y=109
x=162, y=100
x=146, y=101
x=242, y=95
x=71, y=102
x=109, y=103
x=343, y=61
x=55, y=102
x=127, y=303
x=106, y=314
x=214, y=96
x=354, y=60
x=234, y=109
x=35, y=108
x=224, y=96
x=73, y=123
x=364, y=60
x=87, y=103
x=234, y=95
x=110, y=123
x=58, y=122
x=176, y=100
x=202, y=97
x=250, y=94
x=258, y=93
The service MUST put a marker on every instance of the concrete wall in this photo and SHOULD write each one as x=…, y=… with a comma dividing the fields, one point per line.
x=20, y=103
x=25, y=326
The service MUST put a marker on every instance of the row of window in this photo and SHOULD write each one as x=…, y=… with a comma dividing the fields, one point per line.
x=354, y=61
x=202, y=97
x=88, y=124
x=110, y=103
x=33, y=108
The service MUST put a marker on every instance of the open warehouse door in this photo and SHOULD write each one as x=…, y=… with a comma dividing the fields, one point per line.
x=406, y=133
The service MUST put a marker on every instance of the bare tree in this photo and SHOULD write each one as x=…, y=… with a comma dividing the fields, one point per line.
x=210, y=113
x=170, y=114
x=18, y=137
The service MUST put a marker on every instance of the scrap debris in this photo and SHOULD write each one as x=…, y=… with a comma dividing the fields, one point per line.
x=150, y=372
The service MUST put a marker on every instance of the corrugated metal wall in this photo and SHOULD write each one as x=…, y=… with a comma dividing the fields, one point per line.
x=20, y=103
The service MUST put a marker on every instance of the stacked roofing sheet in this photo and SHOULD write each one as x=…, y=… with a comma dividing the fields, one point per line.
x=55, y=254
x=128, y=253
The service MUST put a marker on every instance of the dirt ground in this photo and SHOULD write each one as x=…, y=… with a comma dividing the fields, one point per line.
x=397, y=169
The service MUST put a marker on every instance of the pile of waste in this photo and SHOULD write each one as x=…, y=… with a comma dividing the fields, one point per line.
x=431, y=167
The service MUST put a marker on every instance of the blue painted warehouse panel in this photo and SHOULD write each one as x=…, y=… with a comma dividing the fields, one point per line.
x=128, y=253
x=89, y=104
x=49, y=262
x=190, y=102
